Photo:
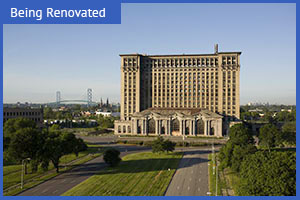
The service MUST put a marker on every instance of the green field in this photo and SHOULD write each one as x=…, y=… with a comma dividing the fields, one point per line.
x=141, y=174
x=12, y=173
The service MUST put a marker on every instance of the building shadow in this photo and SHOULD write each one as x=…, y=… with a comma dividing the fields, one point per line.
x=140, y=165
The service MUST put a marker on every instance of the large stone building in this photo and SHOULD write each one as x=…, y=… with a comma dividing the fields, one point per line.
x=201, y=91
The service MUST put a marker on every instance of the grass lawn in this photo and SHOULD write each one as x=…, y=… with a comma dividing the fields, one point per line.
x=233, y=181
x=12, y=173
x=140, y=174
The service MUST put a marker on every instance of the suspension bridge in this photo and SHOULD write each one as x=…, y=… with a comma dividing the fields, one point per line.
x=88, y=99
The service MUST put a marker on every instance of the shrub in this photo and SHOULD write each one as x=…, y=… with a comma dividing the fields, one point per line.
x=111, y=157
x=161, y=145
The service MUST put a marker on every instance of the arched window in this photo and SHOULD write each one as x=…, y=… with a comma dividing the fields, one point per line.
x=175, y=127
x=151, y=126
x=200, y=127
x=129, y=129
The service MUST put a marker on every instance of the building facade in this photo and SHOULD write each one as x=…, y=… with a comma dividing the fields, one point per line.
x=209, y=82
x=35, y=114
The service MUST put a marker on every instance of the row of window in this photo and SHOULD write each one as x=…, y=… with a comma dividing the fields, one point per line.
x=165, y=62
x=21, y=113
x=33, y=119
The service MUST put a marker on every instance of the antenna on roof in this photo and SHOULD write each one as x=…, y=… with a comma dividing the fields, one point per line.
x=216, y=49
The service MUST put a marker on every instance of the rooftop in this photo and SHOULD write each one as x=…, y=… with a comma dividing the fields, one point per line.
x=180, y=55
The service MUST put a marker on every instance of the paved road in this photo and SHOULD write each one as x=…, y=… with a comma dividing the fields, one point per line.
x=107, y=139
x=65, y=181
x=191, y=177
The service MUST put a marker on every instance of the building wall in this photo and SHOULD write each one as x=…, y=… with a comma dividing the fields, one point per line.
x=130, y=86
x=208, y=81
x=35, y=114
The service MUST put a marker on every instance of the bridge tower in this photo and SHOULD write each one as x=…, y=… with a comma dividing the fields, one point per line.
x=89, y=96
x=58, y=97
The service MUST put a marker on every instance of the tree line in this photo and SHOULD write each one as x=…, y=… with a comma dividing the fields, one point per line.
x=263, y=170
x=24, y=140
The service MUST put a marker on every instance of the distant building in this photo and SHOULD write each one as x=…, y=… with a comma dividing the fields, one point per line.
x=87, y=113
x=192, y=87
x=107, y=114
x=35, y=114
x=286, y=110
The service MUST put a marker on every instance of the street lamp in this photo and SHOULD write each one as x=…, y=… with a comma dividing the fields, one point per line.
x=216, y=178
x=215, y=167
x=22, y=173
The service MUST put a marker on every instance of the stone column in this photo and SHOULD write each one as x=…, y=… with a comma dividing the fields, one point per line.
x=191, y=127
x=165, y=122
x=208, y=127
x=159, y=126
x=146, y=126
x=205, y=127
x=134, y=131
x=142, y=127
x=180, y=126
x=183, y=127
x=169, y=127
x=194, y=127
x=156, y=127
x=219, y=128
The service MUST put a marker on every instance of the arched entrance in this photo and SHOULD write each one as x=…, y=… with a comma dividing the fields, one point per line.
x=212, y=131
x=175, y=127
x=187, y=127
x=200, y=127
x=138, y=127
x=163, y=130
x=151, y=126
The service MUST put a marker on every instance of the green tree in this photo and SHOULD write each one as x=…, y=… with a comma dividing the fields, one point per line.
x=289, y=127
x=289, y=133
x=241, y=139
x=161, y=145
x=79, y=146
x=54, y=127
x=169, y=146
x=269, y=136
x=269, y=118
x=239, y=153
x=25, y=143
x=111, y=157
x=268, y=174
x=239, y=134
x=225, y=155
x=11, y=126
x=158, y=145
x=285, y=116
x=48, y=113
x=53, y=150
x=58, y=144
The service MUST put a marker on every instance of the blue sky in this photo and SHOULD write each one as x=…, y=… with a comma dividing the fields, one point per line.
x=42, y=59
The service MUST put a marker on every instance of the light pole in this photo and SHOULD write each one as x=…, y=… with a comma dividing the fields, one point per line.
x=216, y=178
x=22, y=173
x=214, y=158
x=215, y=167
